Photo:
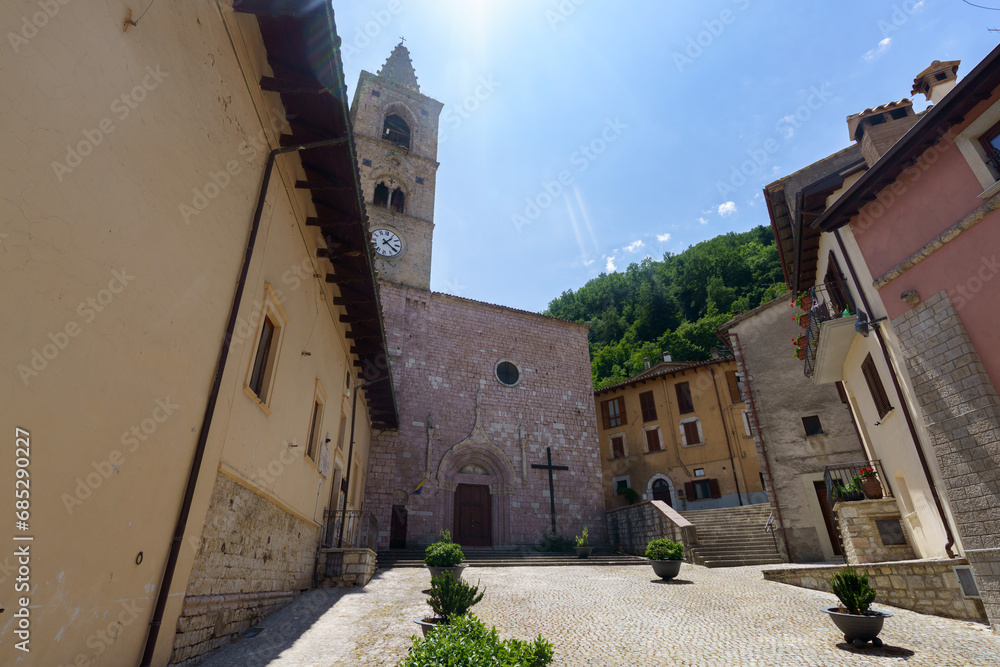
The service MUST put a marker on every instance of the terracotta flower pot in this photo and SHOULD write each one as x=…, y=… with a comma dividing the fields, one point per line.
x=804, y=320
x=871, y=487
x=801, y=342
x=807, y=302
x=801, y=353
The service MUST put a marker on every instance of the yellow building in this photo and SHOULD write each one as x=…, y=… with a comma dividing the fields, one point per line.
x=679, y=432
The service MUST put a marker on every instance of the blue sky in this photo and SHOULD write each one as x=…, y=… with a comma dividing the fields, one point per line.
x=583, y=135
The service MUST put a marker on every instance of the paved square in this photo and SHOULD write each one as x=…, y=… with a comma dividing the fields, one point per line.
x=614, y=616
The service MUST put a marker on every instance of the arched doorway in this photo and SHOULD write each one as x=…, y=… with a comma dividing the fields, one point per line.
x=661, y=488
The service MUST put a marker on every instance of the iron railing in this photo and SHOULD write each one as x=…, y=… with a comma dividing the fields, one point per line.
x=829, y=301
x=863, y=480
x=360, y=529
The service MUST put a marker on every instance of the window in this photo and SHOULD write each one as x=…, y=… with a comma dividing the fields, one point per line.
x=340, y=434
x=702, y=489
x=763, y=485
x=613, y=412
x=699, y=472
x=396, y=131
x=812, y=425
x=734, y=387
x=397, y=200
x=875, y=386
x=684, y=402
x=691, y=433
x=618, y=446
x=653, y=440
x=264, y=360
x=508, y=373
x=381, y=197
x=620, y=484
x=836, y=286
x=648, y=406
x=746, y=423
x=313, y=443
x=990, y=141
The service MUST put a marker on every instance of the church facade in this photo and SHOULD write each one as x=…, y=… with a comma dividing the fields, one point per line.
x=485, y=393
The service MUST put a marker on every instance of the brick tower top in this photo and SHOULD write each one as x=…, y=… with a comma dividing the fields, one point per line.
x=398, y=69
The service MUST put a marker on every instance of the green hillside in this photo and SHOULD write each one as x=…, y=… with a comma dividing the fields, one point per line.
x=672, y=305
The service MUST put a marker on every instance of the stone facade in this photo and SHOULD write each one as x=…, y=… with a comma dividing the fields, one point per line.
x=962, y=414
x=632, y=528
x=925, y=586
x=337, y=568
x=254, y=557
x=860, y=535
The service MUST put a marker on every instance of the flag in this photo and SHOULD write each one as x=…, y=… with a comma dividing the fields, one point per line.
x=419, y=488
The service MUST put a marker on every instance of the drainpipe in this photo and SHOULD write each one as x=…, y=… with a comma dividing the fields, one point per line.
x=729, y=443
x=206, y=422
x=902, y=402
x=350, y=454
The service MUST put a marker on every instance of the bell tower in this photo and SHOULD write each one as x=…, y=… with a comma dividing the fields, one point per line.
x=396, y=136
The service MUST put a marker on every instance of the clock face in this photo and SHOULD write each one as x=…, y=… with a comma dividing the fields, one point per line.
x=387, y=243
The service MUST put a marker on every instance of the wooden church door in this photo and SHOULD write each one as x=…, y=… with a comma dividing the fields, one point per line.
x=472, y=516
x=661, y=491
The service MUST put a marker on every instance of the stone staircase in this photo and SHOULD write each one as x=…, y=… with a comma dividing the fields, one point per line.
x=509, y=557
x=733, y=537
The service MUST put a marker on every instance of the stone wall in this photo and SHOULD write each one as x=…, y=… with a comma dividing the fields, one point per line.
x=860, y=535
x=254, y=557
x=962, y=414
x=338, y=568
x=925, y=586
x=632, y=528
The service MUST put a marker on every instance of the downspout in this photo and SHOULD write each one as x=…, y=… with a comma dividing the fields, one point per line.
x=902, y=401
x=737, y=349
x=725, y=429
x=206, y=423
x=346, y=484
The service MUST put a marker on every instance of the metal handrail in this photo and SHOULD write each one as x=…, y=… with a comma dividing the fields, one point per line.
x=830, y=301
x=360, y=529
x=769, y=526
x=861, y=480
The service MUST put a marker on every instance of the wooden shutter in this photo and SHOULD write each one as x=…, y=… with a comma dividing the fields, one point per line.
x=605, y=415
x=689, y=491
x=684, y=402
x=713, y=484
x=648, y=405
x=621, y=410
x=653, y=440
x=734, y=387
x=617, y=447
x=691, y=433
x=875, y=386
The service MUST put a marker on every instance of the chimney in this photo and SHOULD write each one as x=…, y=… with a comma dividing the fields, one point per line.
x=877, y=129
x=666, y=357
x=937, y=80
x=715, y=353
x=645, y=360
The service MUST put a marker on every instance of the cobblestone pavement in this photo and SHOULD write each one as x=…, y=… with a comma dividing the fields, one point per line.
x=610, y=616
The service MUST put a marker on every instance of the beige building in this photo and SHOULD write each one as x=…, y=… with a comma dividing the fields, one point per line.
x=679, y=432
x=195, y=314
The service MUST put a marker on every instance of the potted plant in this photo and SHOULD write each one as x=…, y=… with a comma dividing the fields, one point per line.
x=665, y=556
x=849, y=492
x=803, y=320
x=444, y=556
x=800, y=353
x=631, y=495
x=869, y=484
x=800, y=341
x=582, y=548
x=853, y=617
x=449, y=598
x=804, y=300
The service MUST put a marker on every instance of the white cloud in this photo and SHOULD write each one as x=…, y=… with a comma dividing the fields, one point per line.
x=610, y=266
x=882, y=47
x=588, y=262
x=728, y=208
x=663, y=238
x=787, y=129
x=702, y=220
x=634, y=245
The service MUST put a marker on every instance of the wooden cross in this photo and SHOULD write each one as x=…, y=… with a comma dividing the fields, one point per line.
x=552, y=491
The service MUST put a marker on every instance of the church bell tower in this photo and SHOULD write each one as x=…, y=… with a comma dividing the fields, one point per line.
x=396, y=136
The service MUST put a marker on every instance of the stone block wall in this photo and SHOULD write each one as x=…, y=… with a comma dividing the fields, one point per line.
x=924, y=586
x=860, y=535
x=254, y=557
x=961, y=411
x=347, y=567
x=632, y=528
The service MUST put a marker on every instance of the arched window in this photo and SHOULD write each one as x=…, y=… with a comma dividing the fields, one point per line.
x=397, y=200
x=396, y=131
x=381, y=197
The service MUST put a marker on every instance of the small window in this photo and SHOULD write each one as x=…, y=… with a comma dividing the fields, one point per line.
x=381, y=197
x=508, y=374
x=313, y=443
x=702, y=489
x=746, y=423
x=265, y=351
x=398, y=199
x=734, y=387
x=618, y=446
x=648, y=404
x=684, y=402
x=653, y=440
x=699, y=472
x=990, y=141
x=875, y=386
x=691, y=433
x=260, y=376
x=613, y=412
x=812, y=425
x=341, y=431
x=620, y=484
x=396, y=131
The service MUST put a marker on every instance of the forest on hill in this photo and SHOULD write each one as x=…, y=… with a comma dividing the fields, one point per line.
x=673, y=305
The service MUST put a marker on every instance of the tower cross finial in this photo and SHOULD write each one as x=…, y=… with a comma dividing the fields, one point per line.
x=402, y=40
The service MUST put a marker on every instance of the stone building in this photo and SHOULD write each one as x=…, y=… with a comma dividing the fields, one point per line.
x=799, y=428
x=678, y=432
x=484, y=391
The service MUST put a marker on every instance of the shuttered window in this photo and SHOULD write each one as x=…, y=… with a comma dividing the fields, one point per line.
x=618, y=446
x=875, y=386
x=613, y=412
x=691, y=433
x=653, y=440
x=684, y=402
x=648, y=406
x=734, y=387
x=702, y=489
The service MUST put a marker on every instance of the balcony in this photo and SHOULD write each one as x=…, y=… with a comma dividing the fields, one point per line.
x=863, y=480
x=350, y=529
x=830, y=331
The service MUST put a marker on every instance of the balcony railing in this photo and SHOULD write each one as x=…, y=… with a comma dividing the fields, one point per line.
x=360, y=529
x=829, y=301
x=863, y=480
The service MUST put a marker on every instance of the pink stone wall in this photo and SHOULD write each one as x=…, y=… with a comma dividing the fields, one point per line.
x=443, y=352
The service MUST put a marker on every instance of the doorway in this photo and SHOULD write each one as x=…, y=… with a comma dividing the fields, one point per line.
x=472, y=515
x=661, y=491
x=397, y=530
x=828, y=518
